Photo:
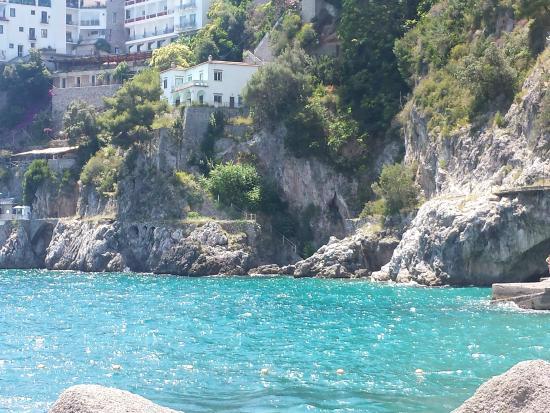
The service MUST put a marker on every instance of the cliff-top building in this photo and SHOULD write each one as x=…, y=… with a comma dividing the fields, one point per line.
x=151, y=24
x=31, y=24
x=214, y=83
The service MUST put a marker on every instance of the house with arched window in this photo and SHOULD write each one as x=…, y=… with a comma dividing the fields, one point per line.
x=213, y=83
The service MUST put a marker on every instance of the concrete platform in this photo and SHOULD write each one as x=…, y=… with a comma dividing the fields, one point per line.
x=534, y=296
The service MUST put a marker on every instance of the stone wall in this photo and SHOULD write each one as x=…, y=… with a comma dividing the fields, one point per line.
x=63, y=97
x=116, y=32
x=3, y=100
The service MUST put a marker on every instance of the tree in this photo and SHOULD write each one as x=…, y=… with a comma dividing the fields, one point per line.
x=36, y=174
x=80, y=126
x=278, y=88
x=236, y=184
x=372, y=84
x=102, y=45
x=176, y=53
x=27, y=85
x=122, y=72
x=130, y=113
x=224, y=37
x=396, y=190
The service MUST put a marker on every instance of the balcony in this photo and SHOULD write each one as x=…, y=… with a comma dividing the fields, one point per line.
x=186, y=27
x=187, y=6
x=192, y=83
x=149, y=16
x=153, y=33
x=90, y=22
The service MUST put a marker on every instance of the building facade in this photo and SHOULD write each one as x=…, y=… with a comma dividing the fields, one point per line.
x=116, y=33
x=86, y=22
x=151, y=24
x=214, y=83
x=31, y=24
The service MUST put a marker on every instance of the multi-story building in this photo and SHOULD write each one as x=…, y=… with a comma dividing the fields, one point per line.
x=31, y=24
x=86, y=22
x=116, y=32
x=214, y=83
x=154, y=23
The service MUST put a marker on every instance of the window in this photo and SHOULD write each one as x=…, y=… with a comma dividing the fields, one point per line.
x=218, y=98
x=165, y=83
x=78, y=81
x=1, y=29
x=11, y=45
x=44, y=17
x=63, y=83
x=117, y=50
x=93, y=80
x=200, y=75
x=33, y=12
x=44, y=33
x=218, y=75
x=114, y=17
x=20, y=50
x=32, y=33
x=21, y=29
x=12, y=12
x=189, y=78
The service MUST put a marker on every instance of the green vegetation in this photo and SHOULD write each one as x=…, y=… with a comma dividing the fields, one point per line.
x=236, y=185
x=122, y=72
x=131, y=112
x=27, y=86
x=191, y=187
x=396, y=192
x=102, y=170
x=36, y=174
x=176, y=53
x=278, y=89
x=465, y=64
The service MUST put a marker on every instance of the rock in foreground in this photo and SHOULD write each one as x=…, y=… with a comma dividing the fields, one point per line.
x=525, y=388
x=91, y=398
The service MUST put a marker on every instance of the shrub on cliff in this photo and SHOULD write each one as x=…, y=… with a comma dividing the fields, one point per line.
x=36, y=174
x=396, y=191
x=130, y=113
x=278, y=89
x=102, y=170
x=236, y=185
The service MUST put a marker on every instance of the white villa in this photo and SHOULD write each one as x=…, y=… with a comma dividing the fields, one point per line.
x=215, y=83
x=155, y=23
x=11, y=212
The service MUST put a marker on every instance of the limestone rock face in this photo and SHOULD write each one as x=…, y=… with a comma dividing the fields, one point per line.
x=474, y=160
x=91, y=398
x=15, y=248
x=186, y=249
x=525, y=388
x=465, y=241
x=354, y=256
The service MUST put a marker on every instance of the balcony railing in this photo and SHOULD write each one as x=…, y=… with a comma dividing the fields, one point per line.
x=199, y=83
x=149, y=16
x=152, y=33
x=190, y=5
x=185, y=27
x=89, y=22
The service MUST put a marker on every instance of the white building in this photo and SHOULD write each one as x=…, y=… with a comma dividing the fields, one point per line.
x=11, y=212
x=31, y=24
x=154, y=23
x=215, y=83
x=86, y=22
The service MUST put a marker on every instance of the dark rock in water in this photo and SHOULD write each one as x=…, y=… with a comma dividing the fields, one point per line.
x=91, y=398
x=525, y=388
x=352, y=257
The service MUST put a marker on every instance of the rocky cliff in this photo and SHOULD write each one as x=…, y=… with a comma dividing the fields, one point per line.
x=476, y=158
x=195, y=249
x=475, y=238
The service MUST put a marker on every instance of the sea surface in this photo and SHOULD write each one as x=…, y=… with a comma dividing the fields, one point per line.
x=237, y=344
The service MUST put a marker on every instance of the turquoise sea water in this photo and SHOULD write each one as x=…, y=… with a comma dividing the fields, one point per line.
x=199, y=345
